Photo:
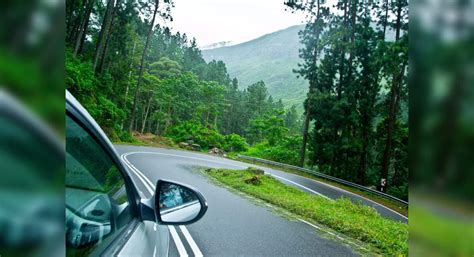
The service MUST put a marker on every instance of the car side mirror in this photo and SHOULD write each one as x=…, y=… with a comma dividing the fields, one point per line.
x=178, y=204
x=174, y=204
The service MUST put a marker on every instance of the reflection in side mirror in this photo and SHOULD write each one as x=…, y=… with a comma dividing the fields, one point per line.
x=178, y=204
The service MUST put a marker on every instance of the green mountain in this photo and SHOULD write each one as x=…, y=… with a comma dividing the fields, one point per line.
x=270, y=58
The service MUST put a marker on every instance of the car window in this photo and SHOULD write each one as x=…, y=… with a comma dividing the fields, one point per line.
x=31, y=187
x=97, y=207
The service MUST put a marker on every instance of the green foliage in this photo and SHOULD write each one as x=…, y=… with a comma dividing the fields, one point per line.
x=355, y=63
x=356, y=102
x=267, y=58
x=168, y=88
x=389, y=238
x=92, y=93
x=191, y=131
x=206, y=137
x=268, y=127
x=125, y=136
x=234, y=143
x=286, y=151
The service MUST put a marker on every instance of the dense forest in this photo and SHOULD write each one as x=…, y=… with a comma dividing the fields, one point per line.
x=356, y=124
x=136, y=77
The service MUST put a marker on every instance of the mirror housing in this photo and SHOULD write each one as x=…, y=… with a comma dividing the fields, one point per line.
x=174, y=204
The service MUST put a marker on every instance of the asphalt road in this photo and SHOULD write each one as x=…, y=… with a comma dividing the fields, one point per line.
x=235, y=225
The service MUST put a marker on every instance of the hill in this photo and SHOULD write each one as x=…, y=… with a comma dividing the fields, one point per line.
x=270, y=58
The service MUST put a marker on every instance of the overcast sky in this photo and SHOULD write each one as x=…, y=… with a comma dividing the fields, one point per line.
x=212, y=21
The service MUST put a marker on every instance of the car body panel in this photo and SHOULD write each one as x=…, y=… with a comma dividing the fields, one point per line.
x=147, y=238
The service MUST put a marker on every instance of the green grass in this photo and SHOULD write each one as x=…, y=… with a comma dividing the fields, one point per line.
x=398, y=207
x=434, y=234
x=356, y=221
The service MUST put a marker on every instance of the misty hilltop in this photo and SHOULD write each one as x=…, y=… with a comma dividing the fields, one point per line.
x=271, y=58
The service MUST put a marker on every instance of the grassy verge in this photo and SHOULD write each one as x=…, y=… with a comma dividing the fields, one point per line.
x=356, y=221
x=402, y=209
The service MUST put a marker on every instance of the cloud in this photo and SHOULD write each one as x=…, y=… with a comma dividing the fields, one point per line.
x=212, y=21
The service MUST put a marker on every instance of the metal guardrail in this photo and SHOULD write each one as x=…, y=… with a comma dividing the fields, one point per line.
x=325, y=176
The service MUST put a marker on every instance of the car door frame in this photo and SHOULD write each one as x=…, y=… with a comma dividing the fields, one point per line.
x=79, y=115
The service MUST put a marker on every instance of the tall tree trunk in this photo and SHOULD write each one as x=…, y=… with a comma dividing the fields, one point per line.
x=108, y=38
x=142, y=62
x=102, y=33
x=207, y=118
x=386, y=20
x=128, y=84
x=168, y=118
x=305, y=136
x=340, y=85
x=215, y=122
x=146, y=112
x=312, y=86
x=82, y=30
x=73, y=21
x=84, y=34
x=392, y=109
x=365, y=146
x=352, y=39
x=157, y=131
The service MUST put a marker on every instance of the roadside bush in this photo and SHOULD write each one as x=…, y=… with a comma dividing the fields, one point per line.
x=286, y=151
x=234, y=143
x=206, y=138
x=126, y=137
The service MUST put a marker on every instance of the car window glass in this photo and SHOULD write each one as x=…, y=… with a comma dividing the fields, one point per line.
x=31, y=186
x=97, y=207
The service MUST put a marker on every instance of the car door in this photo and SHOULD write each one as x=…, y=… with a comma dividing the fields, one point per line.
x=100, y=209
x=105, y=215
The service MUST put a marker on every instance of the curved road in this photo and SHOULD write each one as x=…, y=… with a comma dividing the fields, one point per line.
x=234, y=224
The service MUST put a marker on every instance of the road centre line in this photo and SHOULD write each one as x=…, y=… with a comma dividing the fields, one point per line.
x=144, y=181
x=194, y=247
x=299, y=185
x=179, y=245
x=177, y=241
x=240, y=166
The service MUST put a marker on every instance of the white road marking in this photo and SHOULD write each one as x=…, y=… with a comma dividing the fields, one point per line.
x=191, y=242
x=177, y=241
x=151, y=188
x=138, y=174
x=189, y=157
x=138, y=171
x=244, y=167
x=312, y=191
x=354, y=194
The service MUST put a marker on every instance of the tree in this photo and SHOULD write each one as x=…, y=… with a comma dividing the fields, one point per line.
x=398, y=67
x=104, y=30
x=142, y=62
x=291, y=120
x=310, y=39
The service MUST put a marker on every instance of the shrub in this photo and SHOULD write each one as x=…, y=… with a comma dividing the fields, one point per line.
x=234, y=143
x=286, y=151
x=126, y=137
x=206, y=138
